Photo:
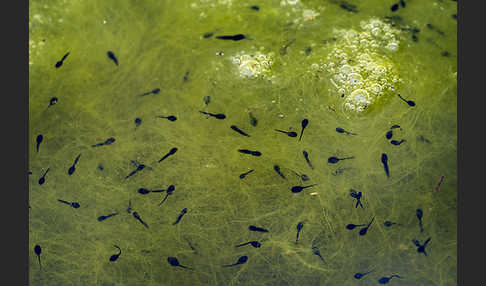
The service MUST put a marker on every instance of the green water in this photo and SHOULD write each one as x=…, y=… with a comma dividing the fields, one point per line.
x=157, y=43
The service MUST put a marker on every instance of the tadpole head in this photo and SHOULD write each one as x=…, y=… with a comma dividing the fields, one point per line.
x=358, y=275
x=363, y=231
x=143, y=191
x=173, y=261
x=332, y=160
x=296, y=189
x=419, y=213
x=37, y=249
x=53, y=101
x=305, y=122
x=242, y=259
x=256, y=244
x=300, y=225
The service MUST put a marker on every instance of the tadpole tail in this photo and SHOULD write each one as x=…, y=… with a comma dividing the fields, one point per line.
x=131, y=174
x=164, y=199
x=301, y=133
x=243, y=244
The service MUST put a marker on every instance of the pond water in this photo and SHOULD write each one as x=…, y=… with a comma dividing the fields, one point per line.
x=351, y=66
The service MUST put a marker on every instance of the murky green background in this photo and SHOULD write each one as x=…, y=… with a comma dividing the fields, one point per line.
x=156, y=43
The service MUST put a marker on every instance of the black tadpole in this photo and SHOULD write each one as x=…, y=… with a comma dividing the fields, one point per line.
x=171, y=152
x=421, y=248
x=43, y=178
x=298, y=189
x=409, y=102
x=303, y=177
x=365, y=229
x=277, y=169
x=53, y=101
x=154, y=91
x=315, y=251
x=304, y=124
x=236, y=37
x=255, y=244
x=353, y=226
x=59, y=63
x=138, y=121
x=357, y=196
x=139, y=168
x=256, y=228
x=242, y=176
x=250, y=152
x=253, y=120
x=183, y=212
x=173, y=261
x=114, y=257
x=389, y=223
x=73, y=167
x=112, y=57
x=334, y=160
x=207, y=100
x=169, y=192
x=306, y=156
x=241, y=260
x=73, y=204
x=108, y=141
x=235, y=128
x=341, y=130
x=384, y=160
x=300, y=225
x=361, y=275
x=218, y=115
x=38, y=251
x=137, y=217
x=103, y=217
x=396, y=143
x=385, y=280
x=420, y=214
x=170, y=117
x=39, y=141
x=289, y=133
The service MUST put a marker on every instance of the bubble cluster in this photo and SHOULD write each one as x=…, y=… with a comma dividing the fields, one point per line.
x=358, y=66
x=211, y=3
x=289, y=2
x=255, y=65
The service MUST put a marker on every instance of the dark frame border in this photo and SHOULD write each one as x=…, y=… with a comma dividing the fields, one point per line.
x=15, y=99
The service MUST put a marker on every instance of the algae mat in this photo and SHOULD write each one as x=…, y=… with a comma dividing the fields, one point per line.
x=267, y=66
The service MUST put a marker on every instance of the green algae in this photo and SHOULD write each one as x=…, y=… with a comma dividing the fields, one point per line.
x=156, y=43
